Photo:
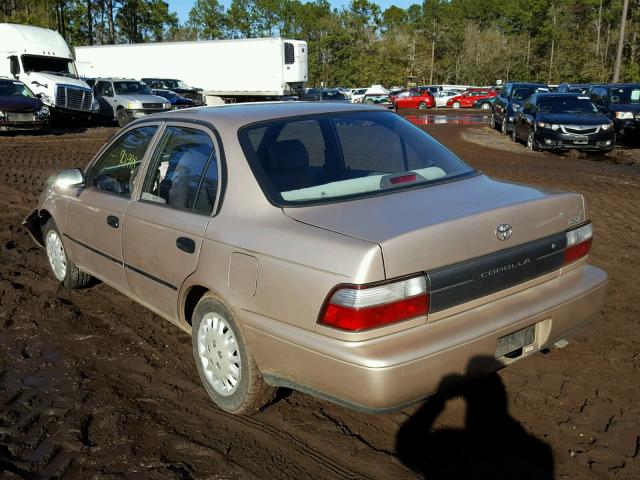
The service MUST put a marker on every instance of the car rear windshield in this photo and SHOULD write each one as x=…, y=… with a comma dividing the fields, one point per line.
x=568, y=104
x=627, y=94
x=344, y=155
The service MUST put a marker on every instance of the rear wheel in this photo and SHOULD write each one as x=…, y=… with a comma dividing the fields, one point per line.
x=422, y=106
x=121, y=117
x=226, y=367
x=485, y=106
x=456, y=105
x=503, y=126
x=513, y=135
x=63, y=269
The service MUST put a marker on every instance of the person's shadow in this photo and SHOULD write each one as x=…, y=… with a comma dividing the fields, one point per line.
x=492, y=445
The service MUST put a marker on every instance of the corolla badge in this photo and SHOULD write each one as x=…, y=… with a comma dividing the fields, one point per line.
x=503, y=231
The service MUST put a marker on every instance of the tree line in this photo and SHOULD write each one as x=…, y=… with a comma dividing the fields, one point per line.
x=438, y=41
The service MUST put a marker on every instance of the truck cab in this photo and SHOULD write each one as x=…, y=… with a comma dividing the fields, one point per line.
x=41, y=59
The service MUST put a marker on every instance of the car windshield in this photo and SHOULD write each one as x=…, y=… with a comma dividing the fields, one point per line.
x=522, y=93
x=629, y=94
x=129, y=88
x=9, y=88
x=55, y=65
x=344, y=155
x=568, y=104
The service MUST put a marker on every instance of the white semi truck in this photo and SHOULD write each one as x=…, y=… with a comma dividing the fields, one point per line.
x=225, y=70
x=41, y=59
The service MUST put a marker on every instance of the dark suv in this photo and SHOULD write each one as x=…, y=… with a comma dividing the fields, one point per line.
x=511, y=98
x=177, y=86
x=621, y=103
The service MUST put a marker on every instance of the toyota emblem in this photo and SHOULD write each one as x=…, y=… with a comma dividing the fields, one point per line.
x=503, y=231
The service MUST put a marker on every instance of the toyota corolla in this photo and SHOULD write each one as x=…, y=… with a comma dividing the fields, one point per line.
x=331, y=248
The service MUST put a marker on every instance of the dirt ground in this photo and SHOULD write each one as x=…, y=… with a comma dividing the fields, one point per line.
x=94, y=386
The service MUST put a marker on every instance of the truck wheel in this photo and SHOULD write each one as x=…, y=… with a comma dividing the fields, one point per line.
x=121, y=117
x=227, y=370
x=63, y=269
x=456, y=105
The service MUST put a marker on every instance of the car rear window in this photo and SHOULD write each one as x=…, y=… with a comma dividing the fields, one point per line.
x=344, y=155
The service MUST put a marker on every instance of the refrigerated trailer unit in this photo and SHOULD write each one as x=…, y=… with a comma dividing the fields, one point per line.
x=227, y=70
x=41, y=59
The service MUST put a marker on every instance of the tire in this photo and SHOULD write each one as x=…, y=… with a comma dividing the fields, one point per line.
x=514, y=139
x=456, y=105
x=503, y=127
x=422, y=106
x=485, y=106
x=213, y=323
x=531, y=143
x=121, y=117
x=493, y=124
x=63, y=269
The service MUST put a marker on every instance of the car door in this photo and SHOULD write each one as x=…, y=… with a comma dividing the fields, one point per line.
x=95, y=211
x=164, y=226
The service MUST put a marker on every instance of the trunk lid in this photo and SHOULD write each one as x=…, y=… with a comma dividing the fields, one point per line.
x=429, y=228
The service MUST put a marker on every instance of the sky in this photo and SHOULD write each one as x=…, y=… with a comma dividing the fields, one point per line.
x=182, y=7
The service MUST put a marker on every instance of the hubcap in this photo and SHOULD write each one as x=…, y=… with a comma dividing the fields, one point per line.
x=219, y=354
x=56, y=255
x=486, y=106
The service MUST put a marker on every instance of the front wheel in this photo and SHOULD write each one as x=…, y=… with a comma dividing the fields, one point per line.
x=513, y=135
x=531, y=143
x=227, y=369
x=503, y=126
x=121, y=117
x=456, y=105
x=63, y=269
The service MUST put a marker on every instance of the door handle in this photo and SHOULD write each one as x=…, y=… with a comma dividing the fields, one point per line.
x=113, y=221
x=186, y=244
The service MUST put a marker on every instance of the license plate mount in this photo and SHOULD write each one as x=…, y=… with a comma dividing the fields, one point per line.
x=581, y=140
x=515, y=341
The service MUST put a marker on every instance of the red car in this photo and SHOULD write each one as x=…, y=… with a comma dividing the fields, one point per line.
x=471, y=96
x=415, y=99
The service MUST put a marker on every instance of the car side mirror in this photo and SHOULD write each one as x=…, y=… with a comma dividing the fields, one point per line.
x=69, y=178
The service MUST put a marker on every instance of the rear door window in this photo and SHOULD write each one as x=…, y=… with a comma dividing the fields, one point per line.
x=176, y=174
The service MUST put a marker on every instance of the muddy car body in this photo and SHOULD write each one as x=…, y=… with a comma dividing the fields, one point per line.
x=336, y=249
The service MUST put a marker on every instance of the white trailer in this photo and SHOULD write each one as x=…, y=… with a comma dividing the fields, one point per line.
x=228, y=70
x=41, y=59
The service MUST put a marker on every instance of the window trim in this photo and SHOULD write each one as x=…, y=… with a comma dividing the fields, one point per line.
x=89, y=173
x=216, y=150
x=266, y=187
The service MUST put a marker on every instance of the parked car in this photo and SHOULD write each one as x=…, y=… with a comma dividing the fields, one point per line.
x=124, y=100
x=321, y=247
x=357, y=94
x=510, y=99
x=563, y=121
x=468, y=98
x=20, y=109
x=573, y=88
x=485, y=103
x=178, y=86
x=443, y=96
x=176, y=100
x=324, y=95
x=415, y=99
x=621, y=103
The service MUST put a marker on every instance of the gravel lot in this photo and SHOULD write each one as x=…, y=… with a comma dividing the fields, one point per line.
x=93, y=385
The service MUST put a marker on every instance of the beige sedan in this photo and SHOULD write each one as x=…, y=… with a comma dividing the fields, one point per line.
x=334, y=249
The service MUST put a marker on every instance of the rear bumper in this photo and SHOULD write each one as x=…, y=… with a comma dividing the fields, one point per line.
x=389, y=372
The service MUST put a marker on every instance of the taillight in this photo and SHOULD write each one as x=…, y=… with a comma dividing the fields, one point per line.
x=578, y=243
x=361, y=307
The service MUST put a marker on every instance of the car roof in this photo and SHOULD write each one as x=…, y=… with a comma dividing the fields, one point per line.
x=117, y=79
x=235, y=116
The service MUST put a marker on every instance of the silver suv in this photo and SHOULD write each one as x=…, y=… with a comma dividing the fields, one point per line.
x=124, y=99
